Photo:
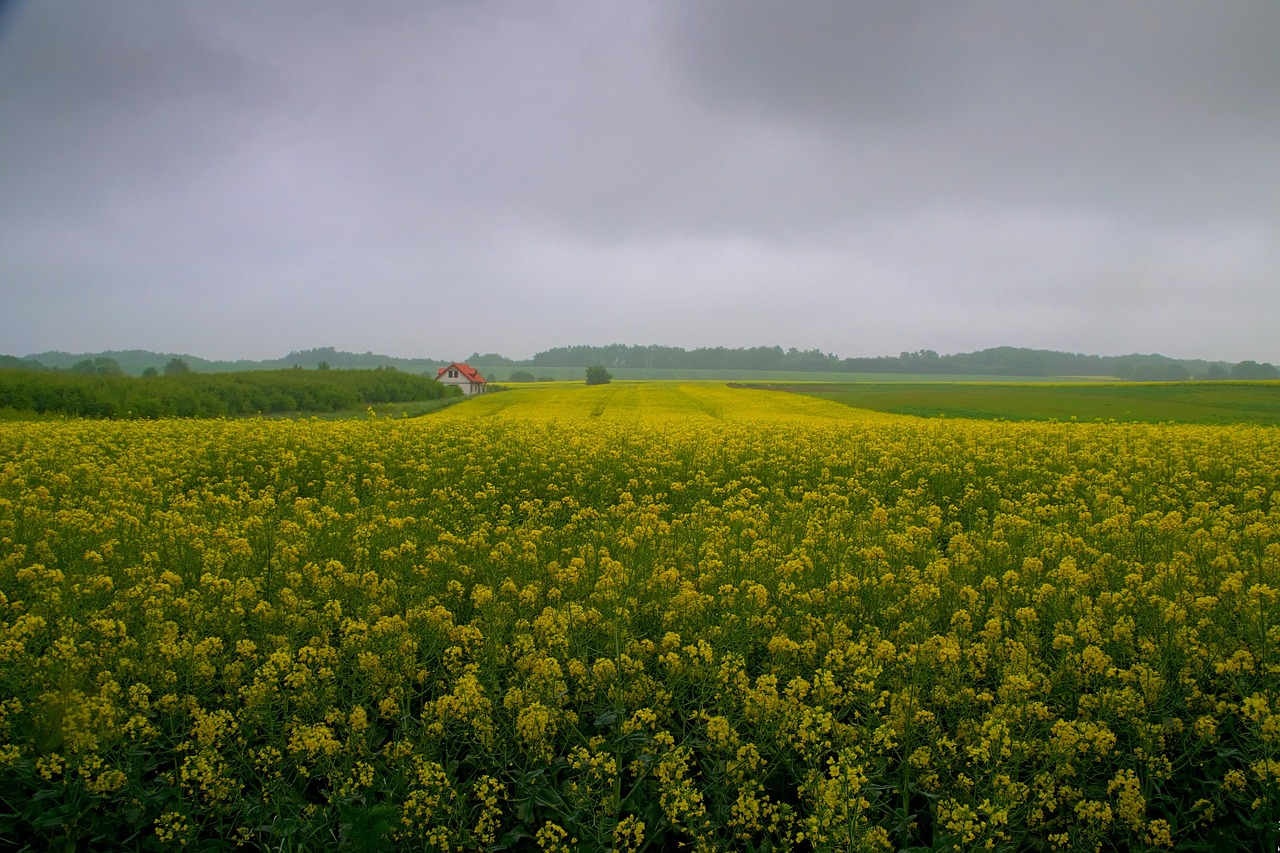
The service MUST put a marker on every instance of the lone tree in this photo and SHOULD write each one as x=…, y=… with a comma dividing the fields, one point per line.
x=177, y=367
x=597, y=375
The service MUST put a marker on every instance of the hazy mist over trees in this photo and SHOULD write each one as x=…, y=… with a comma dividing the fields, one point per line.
x=995, y=361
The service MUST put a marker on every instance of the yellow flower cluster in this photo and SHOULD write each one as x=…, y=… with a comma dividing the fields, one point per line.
x=643, y=615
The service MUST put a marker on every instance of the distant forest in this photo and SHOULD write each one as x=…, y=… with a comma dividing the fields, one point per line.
x=996, y=361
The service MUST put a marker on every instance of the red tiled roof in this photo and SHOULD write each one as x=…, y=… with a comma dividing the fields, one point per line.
x=465, y=369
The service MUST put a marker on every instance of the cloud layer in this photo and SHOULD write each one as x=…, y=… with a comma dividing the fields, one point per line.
x=242, y=179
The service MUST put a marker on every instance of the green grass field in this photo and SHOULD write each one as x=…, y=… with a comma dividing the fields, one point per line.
x=413, y=409
x=501, y=374
x=1182, y=402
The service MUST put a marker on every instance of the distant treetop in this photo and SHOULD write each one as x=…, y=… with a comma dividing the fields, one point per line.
x=994, y=361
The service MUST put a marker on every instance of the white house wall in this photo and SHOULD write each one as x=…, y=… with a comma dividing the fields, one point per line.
x=468, y=387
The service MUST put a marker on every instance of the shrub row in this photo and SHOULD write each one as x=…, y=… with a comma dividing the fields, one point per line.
x=211, y=395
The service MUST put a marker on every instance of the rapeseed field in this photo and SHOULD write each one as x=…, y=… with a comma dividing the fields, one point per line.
x=639, y=617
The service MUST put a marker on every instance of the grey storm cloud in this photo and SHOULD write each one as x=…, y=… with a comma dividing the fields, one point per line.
x=241, y=179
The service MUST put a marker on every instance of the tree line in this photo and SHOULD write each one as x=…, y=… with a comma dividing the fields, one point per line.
x=180, y=393
x=994, y=361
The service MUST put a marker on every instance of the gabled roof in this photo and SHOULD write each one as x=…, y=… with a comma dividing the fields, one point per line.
x=465, y=369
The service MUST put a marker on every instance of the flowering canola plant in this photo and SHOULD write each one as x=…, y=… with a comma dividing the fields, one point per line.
x=639, y=616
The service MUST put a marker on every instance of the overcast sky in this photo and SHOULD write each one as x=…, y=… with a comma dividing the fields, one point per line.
x=437, y=177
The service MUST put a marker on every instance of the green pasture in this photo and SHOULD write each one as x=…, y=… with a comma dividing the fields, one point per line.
x=1156, y=402
x=501, y=375
x=412, y=409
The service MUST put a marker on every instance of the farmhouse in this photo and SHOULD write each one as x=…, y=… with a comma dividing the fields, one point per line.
x=464, y=376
